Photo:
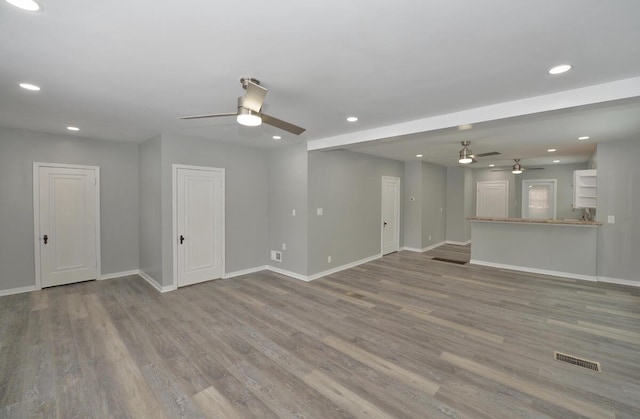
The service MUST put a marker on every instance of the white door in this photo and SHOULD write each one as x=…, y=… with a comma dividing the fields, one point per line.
x=539, y=199
x=390, y=214
x=492, y=199
x=199, y=221
x=67, y=227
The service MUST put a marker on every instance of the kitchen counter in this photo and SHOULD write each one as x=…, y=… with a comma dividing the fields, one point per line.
x=536, y=221
x=565, y=248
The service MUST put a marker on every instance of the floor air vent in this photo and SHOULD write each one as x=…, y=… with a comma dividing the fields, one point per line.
x=457, y=262
x=584, y=363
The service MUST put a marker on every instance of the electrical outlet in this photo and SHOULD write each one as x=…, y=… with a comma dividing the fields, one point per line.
x=329, y=259
x=284, y=246
x=293, y=212
x=319, y=211
x=611, y=219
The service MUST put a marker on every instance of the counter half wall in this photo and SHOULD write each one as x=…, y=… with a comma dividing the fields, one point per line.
x=564, y=248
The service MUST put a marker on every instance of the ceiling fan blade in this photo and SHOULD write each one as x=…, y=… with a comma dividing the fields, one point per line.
x=279, y=123
x=491, y=153
x=211, y=115
x=533, y=168
x=500, y=170
x=254, y=97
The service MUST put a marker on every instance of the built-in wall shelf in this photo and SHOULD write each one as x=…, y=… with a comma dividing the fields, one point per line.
x=585, y=188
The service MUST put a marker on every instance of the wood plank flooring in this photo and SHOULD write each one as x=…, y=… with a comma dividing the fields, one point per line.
x=399, y=337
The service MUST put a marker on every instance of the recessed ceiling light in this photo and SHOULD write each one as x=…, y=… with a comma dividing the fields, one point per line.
x=277, y=137
x=584, y=137
x=73, y=128
x=28, y=5
x=551, y=150
x=29, y=86
x=352, y=118
x=418, y=155
x=465, y=127
x=492, y=165
x=559, y=69
x=556, y=161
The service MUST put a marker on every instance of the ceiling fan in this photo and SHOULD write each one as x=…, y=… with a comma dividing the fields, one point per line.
x=249, y=111
x=467, y=156
x=517, y=168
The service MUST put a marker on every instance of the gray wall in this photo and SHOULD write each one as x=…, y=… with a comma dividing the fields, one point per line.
x=150, y=202
x=427, y=183
x=413, y=209
x=434, y=197
x=460, y=189
x=246, y=198
x=619, y=195
x=348, y=186
x=564, y=175
x=288, y=191
x=562, y=172
x=118, y=201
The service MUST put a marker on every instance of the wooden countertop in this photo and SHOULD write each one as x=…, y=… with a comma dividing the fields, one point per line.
x=536, y=221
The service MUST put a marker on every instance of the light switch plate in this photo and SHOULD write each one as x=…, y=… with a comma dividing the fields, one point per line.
x=611, y=219
x=319, y=211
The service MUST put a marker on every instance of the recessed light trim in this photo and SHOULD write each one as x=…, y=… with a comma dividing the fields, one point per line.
x=465, y=127
x=29, y=86
x=277, y=137
x=72, y=128
x=492, y=165
x=559, y=69
x=551, y=150
x=556, y=161
x=584, y=137
x=28, y=5
x=352, y=118
x=418, y=155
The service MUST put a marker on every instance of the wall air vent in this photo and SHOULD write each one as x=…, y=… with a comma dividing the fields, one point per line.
x=570, y=359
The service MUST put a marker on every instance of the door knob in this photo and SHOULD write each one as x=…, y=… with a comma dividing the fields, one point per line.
x=45, y=238
x=181, y=238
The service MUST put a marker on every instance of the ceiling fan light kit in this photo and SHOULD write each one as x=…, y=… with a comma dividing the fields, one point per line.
x=248, y=118
x=466, y=155
x=249, y=112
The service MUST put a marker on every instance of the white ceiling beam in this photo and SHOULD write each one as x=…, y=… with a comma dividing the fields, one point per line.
x=617, y=90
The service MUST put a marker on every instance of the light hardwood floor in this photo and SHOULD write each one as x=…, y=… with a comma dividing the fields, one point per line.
x=400, y=337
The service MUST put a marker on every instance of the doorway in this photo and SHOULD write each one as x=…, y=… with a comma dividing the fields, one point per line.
x=539, y=198
x=390, y=214
x=492, y=199
x=66, y=203
x=198, y=208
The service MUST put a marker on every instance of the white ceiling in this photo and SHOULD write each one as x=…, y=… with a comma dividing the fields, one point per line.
x=123, y=70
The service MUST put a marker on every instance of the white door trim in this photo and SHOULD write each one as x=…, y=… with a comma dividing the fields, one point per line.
x=174, y=209
x=525, y=195
x=395, y=180
x=36, y=214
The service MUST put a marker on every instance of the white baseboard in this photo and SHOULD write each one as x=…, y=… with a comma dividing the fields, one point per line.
x=20, y=290
x=118, y=274
x=244, y=271
x=425, y=249
x=343, y=267
x=155, y=284
x=619, y=281
x=458, y=243
x=288, y=273
x=534, y=270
